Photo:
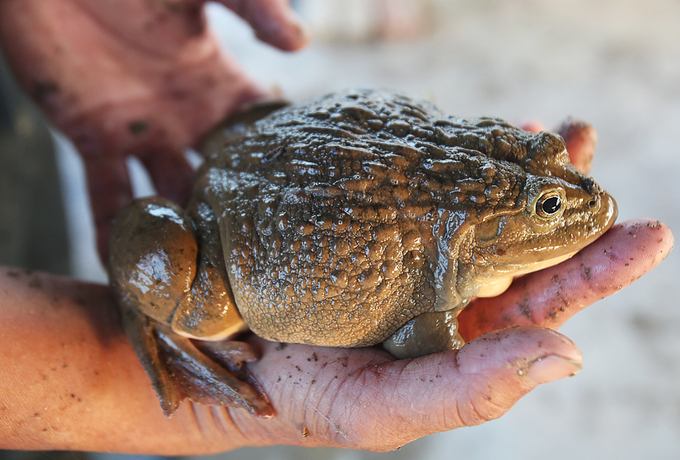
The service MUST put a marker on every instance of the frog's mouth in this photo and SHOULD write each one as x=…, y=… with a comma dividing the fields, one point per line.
x=496, y=285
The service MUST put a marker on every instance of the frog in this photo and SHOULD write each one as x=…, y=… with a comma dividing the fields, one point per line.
x=361, y=218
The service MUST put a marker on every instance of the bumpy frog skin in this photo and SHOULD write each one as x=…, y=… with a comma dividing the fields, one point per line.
x=356, y=219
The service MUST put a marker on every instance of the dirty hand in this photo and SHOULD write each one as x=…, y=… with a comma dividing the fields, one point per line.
x=134, y=77
x=72, y=381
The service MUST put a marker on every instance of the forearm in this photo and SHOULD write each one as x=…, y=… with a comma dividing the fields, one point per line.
x=70, y=380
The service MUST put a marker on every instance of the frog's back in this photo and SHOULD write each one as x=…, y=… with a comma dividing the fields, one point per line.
x=328, y=210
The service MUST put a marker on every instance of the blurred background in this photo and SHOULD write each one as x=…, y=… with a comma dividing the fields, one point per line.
x=615, y=63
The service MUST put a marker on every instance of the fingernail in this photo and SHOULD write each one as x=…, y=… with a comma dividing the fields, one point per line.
x=549, y=368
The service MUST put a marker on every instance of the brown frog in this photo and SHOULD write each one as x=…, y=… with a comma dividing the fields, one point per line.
x=356, y=219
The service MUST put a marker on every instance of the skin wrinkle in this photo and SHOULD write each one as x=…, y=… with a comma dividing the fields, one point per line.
x=195, y=420
x=485, y=414
x=336, y=428
x=216, y=413
x=207, y=420
x=497, y=407
x=454, y=395
x=348, y=412
x=330, y=394
x=405, y=374
x=322, y=395
x=391, y=432
x=450, y=419
x=480, y=418
x=459, y=416
x=329, y=428
x=206, y=426
x=211, y=425
x=587, y=283
x=348, y=407
x=226, y=413
x=468, y=412
x=390, y=428
x=308, y=396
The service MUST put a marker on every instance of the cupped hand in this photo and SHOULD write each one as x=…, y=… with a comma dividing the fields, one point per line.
x=71, y=380
x=142, y=78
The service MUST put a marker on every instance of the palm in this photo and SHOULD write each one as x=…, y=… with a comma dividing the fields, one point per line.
x=140, y=78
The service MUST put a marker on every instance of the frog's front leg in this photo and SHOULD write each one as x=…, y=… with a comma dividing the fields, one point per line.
x=171, y=285
x=425, y=334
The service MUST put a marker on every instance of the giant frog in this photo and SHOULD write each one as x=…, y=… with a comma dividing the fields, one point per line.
x=356, y=219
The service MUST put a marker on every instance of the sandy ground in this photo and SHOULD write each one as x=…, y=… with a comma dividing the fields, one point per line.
x=615, y=63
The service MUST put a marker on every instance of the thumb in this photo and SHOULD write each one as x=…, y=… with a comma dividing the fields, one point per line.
x=397, y=402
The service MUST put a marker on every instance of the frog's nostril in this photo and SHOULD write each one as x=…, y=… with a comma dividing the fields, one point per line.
x=592, y=203
x=590, y=185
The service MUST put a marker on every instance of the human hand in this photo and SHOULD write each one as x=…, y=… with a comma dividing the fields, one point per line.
x=71, y=380
x=134, y=78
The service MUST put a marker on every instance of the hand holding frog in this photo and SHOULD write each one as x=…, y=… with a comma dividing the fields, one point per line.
x=71, y=380
x=134, y=78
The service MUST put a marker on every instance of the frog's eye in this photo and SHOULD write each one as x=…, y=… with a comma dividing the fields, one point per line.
x=549, y=204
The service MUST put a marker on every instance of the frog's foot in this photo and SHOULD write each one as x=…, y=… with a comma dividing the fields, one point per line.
x=425, y=334
x=211, y=373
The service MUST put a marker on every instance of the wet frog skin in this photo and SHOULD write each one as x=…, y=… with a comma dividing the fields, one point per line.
x=356, y=219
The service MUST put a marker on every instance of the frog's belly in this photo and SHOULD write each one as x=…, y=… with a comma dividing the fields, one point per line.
x=324, y=324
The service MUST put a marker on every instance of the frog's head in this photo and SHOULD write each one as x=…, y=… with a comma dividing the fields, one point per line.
x=558, y=219
x=558, y=212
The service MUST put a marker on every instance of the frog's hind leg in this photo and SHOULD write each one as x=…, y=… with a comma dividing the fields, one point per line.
x=206, y=379
x=165, y=271
x=210, y=373
x=425, y=334
x=139, y=330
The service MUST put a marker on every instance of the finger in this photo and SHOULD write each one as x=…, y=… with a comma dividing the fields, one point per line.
x=171, y=173
x=581, y=140
x=110, y=190
x=550, y=297
x=354, y=399
x=273, y=21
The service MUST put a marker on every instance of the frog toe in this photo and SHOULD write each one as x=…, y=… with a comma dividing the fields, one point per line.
x=427, y=333
x=207, y=373
x=213, y=373
x=139, y=330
